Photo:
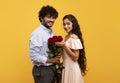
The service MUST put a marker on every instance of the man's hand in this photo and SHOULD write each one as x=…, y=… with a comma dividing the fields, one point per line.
x=54, y=60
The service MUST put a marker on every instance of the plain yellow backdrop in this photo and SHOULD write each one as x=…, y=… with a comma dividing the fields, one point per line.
x=100, y=25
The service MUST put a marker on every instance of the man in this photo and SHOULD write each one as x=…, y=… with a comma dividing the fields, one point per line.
x=42, y=70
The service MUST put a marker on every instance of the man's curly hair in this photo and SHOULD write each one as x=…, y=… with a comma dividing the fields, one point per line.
x=48, y=10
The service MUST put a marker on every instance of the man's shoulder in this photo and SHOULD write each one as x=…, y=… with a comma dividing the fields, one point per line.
x=37, y=30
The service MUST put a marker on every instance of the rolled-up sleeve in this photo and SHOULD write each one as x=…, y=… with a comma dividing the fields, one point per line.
x=36, y=45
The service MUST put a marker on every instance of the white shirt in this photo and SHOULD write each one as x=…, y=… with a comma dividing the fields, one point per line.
x=39, y=45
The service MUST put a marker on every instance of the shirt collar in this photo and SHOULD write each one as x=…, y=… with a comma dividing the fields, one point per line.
x=46, y=29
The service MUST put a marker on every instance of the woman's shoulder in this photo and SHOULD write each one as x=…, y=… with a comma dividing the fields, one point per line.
x=74, y=36
x=71, y=37
x=74, y=42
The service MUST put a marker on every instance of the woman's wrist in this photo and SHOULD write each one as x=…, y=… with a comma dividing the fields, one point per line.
x=64, y=45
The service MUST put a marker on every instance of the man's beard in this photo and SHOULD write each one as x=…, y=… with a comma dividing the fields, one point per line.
x=48, y=25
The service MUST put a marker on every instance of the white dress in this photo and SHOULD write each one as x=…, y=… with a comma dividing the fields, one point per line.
x=72, y=72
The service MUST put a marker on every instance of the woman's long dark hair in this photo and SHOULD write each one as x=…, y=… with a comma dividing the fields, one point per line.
x=76, y=30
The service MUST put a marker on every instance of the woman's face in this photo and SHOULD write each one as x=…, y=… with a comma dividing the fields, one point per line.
x=67, y=24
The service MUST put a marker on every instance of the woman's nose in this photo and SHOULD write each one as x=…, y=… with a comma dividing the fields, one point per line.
x=65, y=26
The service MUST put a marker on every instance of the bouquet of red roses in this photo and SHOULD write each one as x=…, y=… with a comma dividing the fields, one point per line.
x=55, y=51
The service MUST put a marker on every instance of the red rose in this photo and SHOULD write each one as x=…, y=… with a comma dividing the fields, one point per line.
x=55, y=39
x=59, y=38
x=51, y=40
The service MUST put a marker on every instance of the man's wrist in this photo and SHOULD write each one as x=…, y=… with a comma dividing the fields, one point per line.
x=50, y=60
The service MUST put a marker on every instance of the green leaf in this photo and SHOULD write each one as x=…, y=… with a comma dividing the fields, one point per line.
x=59, y=71
x=51, y=55
x=57, y=66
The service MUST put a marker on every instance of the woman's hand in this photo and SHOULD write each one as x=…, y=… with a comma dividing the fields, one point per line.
x=61, y=44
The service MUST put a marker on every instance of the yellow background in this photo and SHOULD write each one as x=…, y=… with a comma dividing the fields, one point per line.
x=100, y=25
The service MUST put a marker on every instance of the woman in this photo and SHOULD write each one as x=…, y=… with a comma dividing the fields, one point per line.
x=74, y=59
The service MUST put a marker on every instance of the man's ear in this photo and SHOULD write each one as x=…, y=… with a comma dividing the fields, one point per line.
x=41, y=19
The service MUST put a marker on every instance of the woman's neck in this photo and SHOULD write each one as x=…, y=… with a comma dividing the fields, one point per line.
x=70, y=33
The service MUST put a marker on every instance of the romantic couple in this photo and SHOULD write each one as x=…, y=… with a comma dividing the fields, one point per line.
x=73, y=53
